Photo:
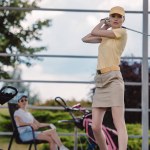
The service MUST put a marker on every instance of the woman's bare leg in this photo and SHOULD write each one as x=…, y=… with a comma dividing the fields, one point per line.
x=53, y=134
x=52, y=144
x=119, y=122
x=97, y=119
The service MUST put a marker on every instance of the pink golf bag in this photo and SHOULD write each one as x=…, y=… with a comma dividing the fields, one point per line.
x=110, y=134
x=85, y=123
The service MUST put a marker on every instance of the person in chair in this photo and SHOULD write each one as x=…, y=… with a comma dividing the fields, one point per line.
x=24, y=118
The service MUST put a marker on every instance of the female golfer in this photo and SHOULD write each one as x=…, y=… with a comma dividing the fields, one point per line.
x=109, y=92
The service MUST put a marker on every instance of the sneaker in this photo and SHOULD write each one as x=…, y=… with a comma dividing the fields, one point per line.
x=63, y=148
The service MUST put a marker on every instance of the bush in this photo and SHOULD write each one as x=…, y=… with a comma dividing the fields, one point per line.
x=134, y=129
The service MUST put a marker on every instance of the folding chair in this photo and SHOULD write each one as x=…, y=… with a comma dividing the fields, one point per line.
x=12, y=107
x=6, y=94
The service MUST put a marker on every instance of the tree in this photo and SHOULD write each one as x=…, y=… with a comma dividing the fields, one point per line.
x=131, y=71
x=14, y=38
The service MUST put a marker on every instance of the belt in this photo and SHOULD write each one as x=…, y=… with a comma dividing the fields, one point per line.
x=108, y=69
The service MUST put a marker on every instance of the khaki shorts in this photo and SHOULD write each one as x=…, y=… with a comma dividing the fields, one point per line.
x=109, y=90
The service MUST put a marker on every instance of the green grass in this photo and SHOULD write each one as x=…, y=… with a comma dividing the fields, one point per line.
x=3, y=111
x=4, y=142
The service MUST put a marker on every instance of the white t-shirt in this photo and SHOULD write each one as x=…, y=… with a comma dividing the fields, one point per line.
x=26, y=117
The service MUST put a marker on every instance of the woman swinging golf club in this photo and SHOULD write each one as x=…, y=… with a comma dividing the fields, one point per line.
x=109, y=92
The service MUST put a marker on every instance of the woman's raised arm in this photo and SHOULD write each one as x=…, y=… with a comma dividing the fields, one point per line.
x=91, y=39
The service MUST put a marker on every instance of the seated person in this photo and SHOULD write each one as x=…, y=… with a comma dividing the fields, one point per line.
x=23, y=117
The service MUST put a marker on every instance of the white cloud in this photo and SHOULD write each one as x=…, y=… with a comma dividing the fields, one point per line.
x=92, y=20
x=127, y=4
x=67, y=91
x=51, y=90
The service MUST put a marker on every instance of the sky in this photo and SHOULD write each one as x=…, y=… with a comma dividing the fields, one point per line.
x=63, y=37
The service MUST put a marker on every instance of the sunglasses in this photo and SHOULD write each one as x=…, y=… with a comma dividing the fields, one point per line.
x=23, y=100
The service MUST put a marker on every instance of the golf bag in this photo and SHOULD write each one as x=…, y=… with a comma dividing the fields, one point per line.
x=85, y=123
x=7, y=93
